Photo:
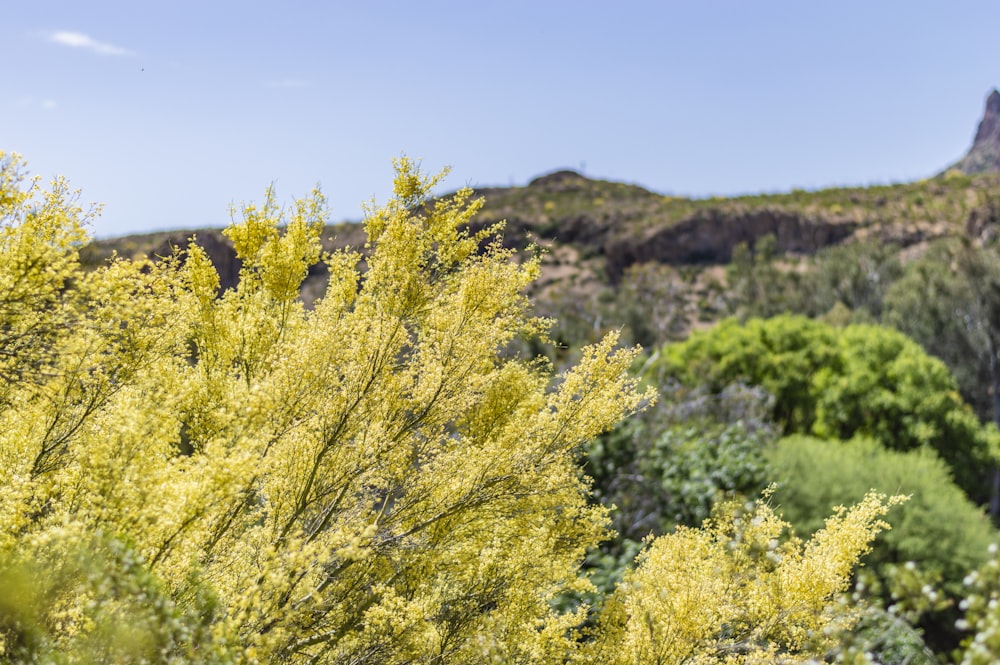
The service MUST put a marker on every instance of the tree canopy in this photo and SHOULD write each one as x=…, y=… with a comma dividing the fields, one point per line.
x=840, y=382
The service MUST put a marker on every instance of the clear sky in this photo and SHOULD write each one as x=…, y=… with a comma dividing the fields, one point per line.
x=169, y=112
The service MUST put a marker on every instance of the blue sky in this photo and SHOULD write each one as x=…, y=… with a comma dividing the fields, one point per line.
x=168, y=113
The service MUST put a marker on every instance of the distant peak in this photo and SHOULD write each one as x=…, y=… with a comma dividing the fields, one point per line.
x=992, y=105
x=557, y=179
x=984, y=155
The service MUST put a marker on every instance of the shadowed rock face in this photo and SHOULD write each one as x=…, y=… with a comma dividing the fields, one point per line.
x=711, y=236
x=984, y=155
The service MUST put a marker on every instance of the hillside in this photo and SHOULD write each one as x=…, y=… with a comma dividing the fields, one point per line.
x=593, y=231
x=618, y=254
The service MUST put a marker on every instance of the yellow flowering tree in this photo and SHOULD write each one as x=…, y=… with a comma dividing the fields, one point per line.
x=196, y=477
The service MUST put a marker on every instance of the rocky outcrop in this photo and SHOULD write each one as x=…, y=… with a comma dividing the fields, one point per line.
x=711, y=235
x=984, y=155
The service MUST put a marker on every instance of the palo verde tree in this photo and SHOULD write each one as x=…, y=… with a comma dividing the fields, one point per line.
x=189, y=477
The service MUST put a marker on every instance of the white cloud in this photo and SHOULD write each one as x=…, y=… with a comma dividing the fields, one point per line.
x=80, y=40
x=35, y=103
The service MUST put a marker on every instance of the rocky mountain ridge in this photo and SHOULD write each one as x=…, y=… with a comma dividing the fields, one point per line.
x=606, y=227
x=595, y=230
x=984, y=155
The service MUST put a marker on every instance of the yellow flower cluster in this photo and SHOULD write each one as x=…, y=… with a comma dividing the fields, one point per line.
x=738, y=590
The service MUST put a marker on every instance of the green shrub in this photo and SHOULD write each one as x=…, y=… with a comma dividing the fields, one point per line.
x=939, y=530
x=668, y=466
x=780, y=354
x=842, y=382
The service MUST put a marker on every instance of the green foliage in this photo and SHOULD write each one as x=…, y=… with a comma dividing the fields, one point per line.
x=887, y=387
x=780, y=354
x=669, y=465
x=842, y=382
x=949, y=301
x=651, y=302
x=854, y=276
x=757, y=285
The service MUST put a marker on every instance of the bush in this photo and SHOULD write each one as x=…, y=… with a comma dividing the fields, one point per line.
x=780, y=354
x=939, y=530
x=669, y=465
x=841, y=382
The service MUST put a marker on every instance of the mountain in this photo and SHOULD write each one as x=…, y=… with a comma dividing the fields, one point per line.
x=984, y=155
x=609, y=243
x=606, y=241
x=597, y=229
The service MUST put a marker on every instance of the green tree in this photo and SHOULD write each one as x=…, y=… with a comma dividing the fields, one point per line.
x=939, y=304
x=855, y=276
x=949, y=301
x=780, y=354
x=652, y=303
x=758, y=286
x=842, y=382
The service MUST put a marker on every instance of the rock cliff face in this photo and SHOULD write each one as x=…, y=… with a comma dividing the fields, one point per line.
x=984, y=155
x=711, y=235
